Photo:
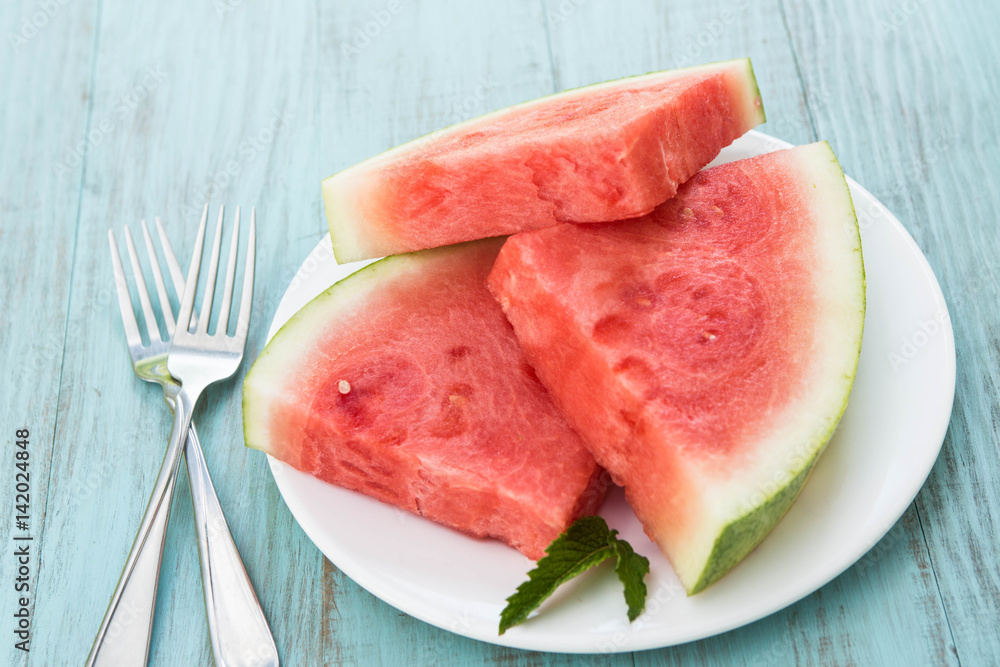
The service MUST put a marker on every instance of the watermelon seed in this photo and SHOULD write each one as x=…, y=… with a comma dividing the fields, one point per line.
x=344, y=387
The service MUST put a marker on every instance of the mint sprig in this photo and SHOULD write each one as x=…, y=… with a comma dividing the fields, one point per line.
x=631, y=569
x=586, y=543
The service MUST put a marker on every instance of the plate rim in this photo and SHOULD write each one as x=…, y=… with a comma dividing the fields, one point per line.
x=528, y=641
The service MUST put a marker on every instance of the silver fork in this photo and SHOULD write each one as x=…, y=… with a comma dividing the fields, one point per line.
x=238, y=629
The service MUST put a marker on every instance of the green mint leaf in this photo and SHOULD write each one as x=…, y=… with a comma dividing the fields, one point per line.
x=588, y=542
x=631, y=569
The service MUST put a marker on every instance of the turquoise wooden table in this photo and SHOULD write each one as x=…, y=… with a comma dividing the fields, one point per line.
x=113, y=111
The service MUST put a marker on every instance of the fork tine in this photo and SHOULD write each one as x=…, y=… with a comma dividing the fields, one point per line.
x=243, y=322
x=124, y=300
x=213, y=272
x=152, y=328
x=187, y=301
x=227, y=294
x=174, y=268
x=161, y=290
x=176, y=275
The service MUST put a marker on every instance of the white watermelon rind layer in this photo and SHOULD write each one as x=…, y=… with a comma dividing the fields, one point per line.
x=264, y=384
x=343, y=191
x=759, y=506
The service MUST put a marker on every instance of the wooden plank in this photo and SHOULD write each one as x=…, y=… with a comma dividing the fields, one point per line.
x=846, y=621
x=594, y=41
x=192, y=93
x=829, y=626
x=242, y=103
x=915, y=121
x=45, y=67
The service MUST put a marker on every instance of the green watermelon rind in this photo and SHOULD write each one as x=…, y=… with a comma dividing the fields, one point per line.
x=744, y=533
x=342, y=236
x=342, y=290
x=341, y=296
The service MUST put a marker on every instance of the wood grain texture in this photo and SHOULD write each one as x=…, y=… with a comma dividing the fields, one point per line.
x=43, y=121
x=184, y=88
x=931, y=77
x=114, y=111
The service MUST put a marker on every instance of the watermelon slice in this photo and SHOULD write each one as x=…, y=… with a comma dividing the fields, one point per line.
x=404, y=381
x=605, y=152
x=704, y=352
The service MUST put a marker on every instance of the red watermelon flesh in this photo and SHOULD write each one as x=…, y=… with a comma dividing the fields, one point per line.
x=704, y=352
x=405, y=382
x=604, y=152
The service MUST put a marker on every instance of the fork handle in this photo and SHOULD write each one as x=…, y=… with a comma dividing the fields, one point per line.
x=239, y=632
x=123, y=639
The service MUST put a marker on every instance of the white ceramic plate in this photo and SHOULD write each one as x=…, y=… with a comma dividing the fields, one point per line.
x=880, y=456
